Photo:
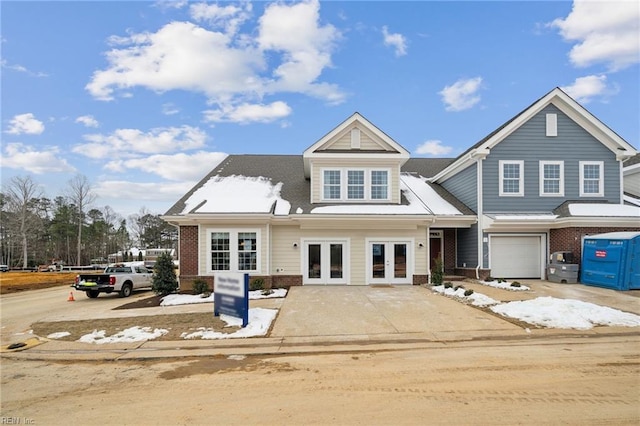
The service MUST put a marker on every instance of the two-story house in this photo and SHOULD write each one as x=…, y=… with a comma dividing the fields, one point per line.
x=354, y=208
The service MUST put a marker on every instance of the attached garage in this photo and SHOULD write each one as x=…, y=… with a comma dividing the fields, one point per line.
x=517, y=256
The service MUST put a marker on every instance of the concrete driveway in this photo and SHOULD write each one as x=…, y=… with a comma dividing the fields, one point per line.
x=415, y=311
x=381, y=310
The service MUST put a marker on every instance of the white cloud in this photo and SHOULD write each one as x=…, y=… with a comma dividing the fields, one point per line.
x=604, y=32
x=434, y=148
x=247, y=113
x=461, y=95
x=176, y=167
x=169, y=109
x=88, y=121
x=127, y=142
x=396, y=40
x=229, y=18
x=179, y=56
x=306, y=48
x=142, y=191
x=20, y=68
x=286, y=53
x=584, y=89
x=23, y=157
x=25, y=123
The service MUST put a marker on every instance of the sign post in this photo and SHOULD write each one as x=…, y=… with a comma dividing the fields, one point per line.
x=231, y=295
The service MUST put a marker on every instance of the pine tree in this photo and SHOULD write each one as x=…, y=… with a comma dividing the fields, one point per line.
x=164, y=276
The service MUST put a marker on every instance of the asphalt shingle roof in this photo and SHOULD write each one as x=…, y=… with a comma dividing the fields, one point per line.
x=289, y=169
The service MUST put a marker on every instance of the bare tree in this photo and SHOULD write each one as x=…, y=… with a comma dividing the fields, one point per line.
x=21, y=193
x=80, y=194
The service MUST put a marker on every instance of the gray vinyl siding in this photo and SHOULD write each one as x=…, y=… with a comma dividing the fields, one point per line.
x=530, y=144
x=467, y=247
x=464, y=186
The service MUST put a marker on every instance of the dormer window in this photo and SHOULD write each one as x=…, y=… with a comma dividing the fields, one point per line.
x=355, y=185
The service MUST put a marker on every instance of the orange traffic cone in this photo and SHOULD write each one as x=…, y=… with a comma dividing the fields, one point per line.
x=71, y=299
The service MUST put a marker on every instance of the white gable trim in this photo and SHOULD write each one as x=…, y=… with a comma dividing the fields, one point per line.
x=568, y=106
x=396, y=150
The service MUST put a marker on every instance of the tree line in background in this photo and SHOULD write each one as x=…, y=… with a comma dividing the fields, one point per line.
x=36, y=230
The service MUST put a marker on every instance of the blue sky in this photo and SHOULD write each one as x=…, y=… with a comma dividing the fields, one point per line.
x=143, y=98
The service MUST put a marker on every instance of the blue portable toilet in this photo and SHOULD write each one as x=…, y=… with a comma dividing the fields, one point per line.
x=611, y=260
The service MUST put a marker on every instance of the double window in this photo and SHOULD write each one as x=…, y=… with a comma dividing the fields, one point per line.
x=511, y=178
x=552, y=178
x=234, y=250
x=591, y=178
x=355, y=184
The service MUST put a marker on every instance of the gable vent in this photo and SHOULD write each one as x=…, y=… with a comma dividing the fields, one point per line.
x=355, y=138
x=552, y=125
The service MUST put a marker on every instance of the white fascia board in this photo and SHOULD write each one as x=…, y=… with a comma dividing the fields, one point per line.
x=333, y=221
x=597, y=221
x=461, y=221
x=459, y=165
x=629, y=170
x=197, y=219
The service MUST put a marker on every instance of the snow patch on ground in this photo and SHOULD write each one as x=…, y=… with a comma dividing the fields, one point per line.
x=505, y=285
x=187, y=299
x=565, y=313
x=132, y=334
x=260, y=320
x=476, y=299
x=58, y=335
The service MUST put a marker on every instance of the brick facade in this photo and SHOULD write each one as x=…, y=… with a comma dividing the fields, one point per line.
x=570, y=239
x=188, y=251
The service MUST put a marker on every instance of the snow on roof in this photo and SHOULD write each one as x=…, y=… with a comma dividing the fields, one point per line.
x=417, y=190
x=237, y=194
x=600, y=209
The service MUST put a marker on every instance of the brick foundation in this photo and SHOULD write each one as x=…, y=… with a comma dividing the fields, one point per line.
x=471, y=273
x=420, y=279
x=570, y=239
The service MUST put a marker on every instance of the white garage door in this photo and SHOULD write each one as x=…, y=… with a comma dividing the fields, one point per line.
x=516, y=256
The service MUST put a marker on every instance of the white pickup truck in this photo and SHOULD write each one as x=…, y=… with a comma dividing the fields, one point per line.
x=116, y=278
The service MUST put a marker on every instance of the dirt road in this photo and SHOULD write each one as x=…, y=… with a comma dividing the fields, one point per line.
x=548, y=381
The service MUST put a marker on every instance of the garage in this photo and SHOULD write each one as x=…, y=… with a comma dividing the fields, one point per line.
x=516, y=256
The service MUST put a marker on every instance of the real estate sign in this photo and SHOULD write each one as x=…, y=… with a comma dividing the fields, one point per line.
x=231, y=295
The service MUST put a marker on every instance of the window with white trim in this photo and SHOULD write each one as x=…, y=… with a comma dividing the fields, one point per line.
x=591, y=178
x=379, y=184
x=552, y=178
x=331, y=185
x=355, y=184
x=234, y=250
x=511, y=178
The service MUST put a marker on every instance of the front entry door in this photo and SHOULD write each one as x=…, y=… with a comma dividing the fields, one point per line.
x=325, y=262
x=389, y=262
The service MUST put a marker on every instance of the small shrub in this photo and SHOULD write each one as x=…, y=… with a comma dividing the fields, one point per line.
x=164, y=279
x=501, y=280
x=437, y=273
x=489, y=279
x=448, y=285
x=515, y=284
x=468, y=292
x=200, y=286
x=267, y=292
x=458, y=287
x=256, y=284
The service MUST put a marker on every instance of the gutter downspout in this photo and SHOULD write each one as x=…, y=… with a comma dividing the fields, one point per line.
x=479, y=157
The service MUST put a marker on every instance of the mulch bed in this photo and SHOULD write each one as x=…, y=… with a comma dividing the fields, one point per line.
x=148, y=302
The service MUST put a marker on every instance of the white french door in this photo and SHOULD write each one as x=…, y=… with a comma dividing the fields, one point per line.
x=389, y=262
x=325, y=262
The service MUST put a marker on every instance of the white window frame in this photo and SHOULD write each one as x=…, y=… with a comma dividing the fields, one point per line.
x=520, y=192
x=233, y=249
x=322, y=184
x=344, y=185
x=600, y=192
x=560, y=192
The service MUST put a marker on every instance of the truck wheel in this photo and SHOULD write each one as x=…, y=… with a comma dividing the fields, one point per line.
x=126, y=290
x=92, y=293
